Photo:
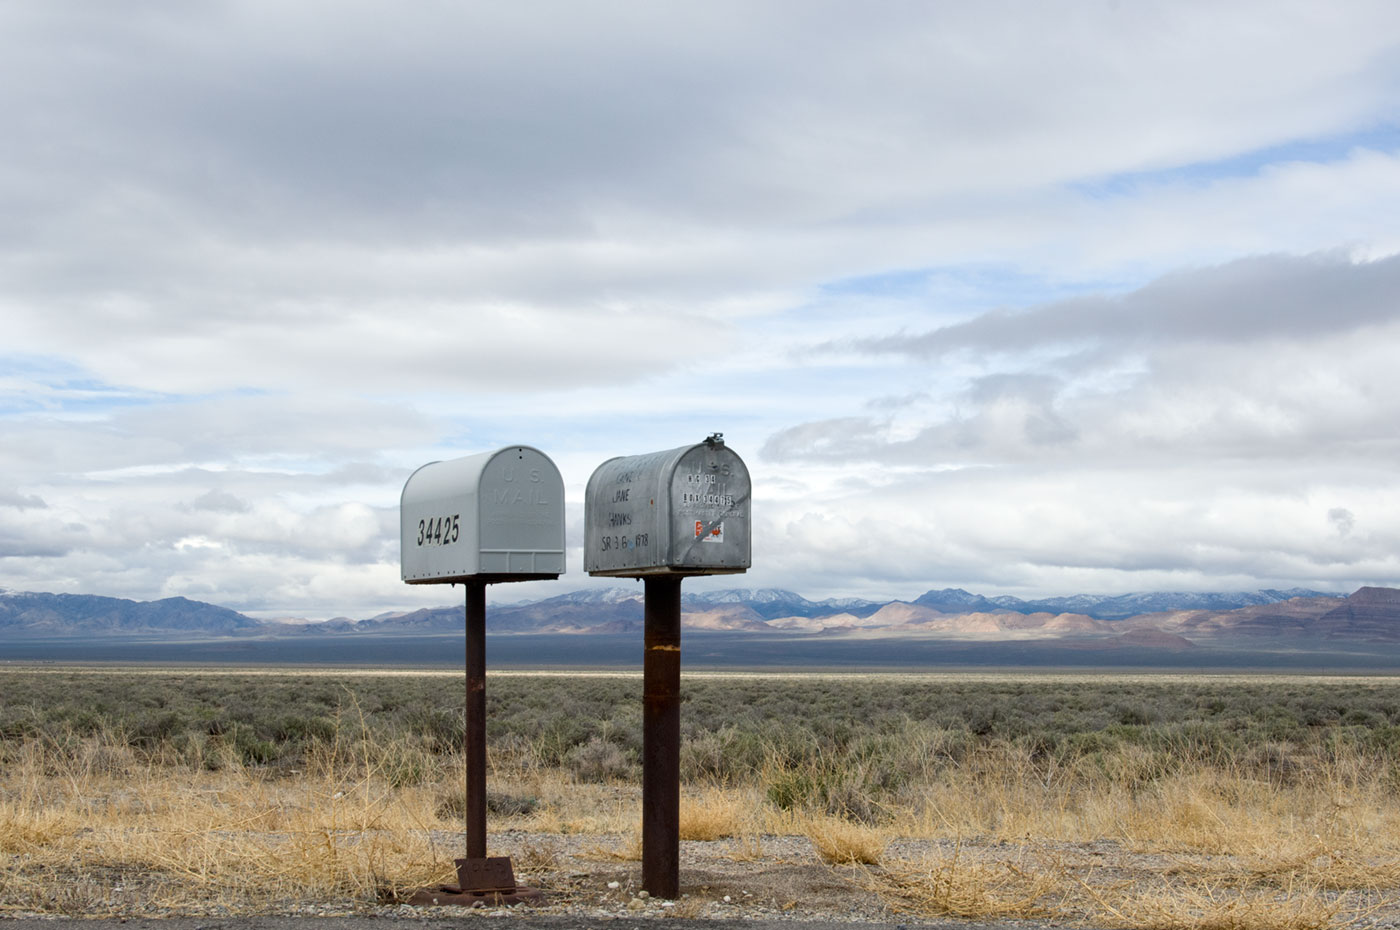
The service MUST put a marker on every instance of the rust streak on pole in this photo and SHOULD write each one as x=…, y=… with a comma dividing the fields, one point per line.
x=474, y=747
x=661, y=738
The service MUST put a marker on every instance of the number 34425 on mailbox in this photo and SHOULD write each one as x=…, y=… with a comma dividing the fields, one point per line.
x=496, y=516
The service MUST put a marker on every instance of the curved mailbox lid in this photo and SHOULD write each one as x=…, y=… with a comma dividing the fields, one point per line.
x=683, y=511
x=492, y=514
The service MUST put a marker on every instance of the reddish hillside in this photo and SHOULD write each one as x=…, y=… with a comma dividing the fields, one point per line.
x=1370, y=615
x=1285, y=618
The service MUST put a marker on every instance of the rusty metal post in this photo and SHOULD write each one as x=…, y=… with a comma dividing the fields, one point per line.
x=661, y=737
x=474, y=748
x=481, y=881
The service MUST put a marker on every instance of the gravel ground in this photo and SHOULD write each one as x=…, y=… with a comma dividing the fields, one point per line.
x=779, y=881
x=450, y=919
x=582, y=878
x=723, y=879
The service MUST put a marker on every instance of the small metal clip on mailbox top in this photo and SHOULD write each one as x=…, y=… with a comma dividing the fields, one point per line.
x=662, y=517
x=484, y=519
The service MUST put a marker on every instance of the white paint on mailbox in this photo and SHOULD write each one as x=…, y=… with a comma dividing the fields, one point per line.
x=491, y=514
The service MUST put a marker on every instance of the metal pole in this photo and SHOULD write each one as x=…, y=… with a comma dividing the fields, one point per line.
x=661, y=738
x=474, y=747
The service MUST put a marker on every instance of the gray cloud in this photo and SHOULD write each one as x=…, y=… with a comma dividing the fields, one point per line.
x=1256, y=359
x=1092, y=528
x=27, y=534
x=21, y=547
x=843, y=439
x=22, y=501
x=1246, y=301
x=897, y=402
x=231, y=431
x=203, y=198
x=1001, y=416
x=217, y=501
x=492, y=128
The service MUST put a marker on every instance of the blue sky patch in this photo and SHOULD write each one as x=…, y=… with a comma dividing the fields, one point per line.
x=968, y=287
x=58, y=387
x=1326, y=150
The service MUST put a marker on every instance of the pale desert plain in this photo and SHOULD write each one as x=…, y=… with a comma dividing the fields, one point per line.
x=1170, y=801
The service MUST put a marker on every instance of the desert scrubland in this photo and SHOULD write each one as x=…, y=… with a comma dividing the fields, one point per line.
x=1147, y=801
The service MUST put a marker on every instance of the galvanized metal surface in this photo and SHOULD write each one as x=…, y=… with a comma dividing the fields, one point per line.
x=495, y=513
x=684, y=511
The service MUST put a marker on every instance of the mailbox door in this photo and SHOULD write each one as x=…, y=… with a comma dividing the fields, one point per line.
x=521, y=522
x=710, y=499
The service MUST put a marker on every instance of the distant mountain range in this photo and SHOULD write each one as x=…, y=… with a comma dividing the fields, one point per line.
x=72, y=615
x=1155, y=620
x=1108, y=607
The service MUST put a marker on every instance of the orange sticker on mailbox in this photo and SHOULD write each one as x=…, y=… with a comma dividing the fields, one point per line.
x=716, y=533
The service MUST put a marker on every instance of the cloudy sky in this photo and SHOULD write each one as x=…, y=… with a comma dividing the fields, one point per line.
x=1026, y=298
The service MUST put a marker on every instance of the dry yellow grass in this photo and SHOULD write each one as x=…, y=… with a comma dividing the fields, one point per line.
x=1202, y=810
x=568, y=807
x=746, y=849
x=991, y=885
x=1219, y=906
x=713, y=814
x=842, y=842
x=1308, y=861
x=963, y=885
x=81, y=832
x=628, y=850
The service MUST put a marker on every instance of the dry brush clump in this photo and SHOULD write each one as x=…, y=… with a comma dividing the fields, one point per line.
x=716, y=813
x=1220, y=905
x=971, y=886
x=844, y=842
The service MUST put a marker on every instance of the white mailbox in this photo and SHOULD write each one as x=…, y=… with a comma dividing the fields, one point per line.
x=496, y=516
x=680, y=512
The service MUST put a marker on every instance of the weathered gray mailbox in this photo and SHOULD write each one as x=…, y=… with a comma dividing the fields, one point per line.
x=498, y=514
x=680, y=512
x=474, y=521
x=662, y=517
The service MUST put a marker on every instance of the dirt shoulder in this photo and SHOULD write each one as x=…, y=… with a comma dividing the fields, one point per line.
x=526, y=921
x=768, y=881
